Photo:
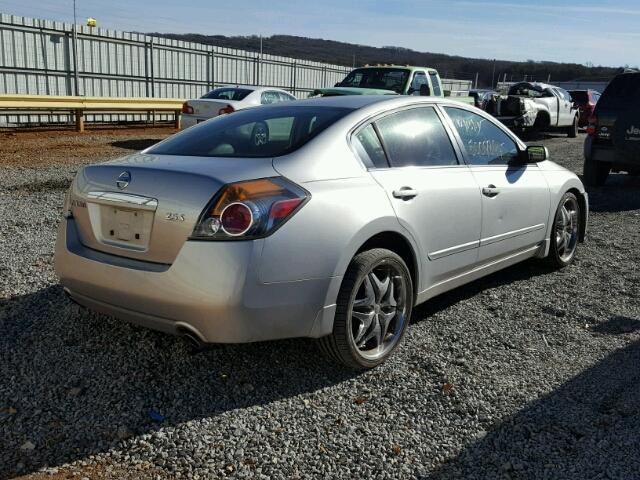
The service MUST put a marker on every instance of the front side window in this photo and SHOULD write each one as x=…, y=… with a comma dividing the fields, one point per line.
x=484, y=142
x=416, y=137
x=256, y=132
x=419, y=79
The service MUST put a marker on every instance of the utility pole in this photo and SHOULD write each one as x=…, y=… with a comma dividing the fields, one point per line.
x=354, y=60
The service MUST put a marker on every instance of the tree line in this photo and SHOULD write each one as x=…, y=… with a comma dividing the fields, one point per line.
x=450, y=66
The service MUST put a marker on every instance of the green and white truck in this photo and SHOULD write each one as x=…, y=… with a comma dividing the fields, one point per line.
x=392, y=80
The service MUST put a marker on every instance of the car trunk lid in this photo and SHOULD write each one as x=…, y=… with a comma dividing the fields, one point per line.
x=210, y=108
x=146, y=206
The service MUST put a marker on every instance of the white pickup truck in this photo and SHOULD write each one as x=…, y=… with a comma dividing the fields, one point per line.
x=536, y=106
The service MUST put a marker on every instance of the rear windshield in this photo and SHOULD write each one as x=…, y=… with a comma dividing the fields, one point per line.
x=379, y=78
x=227, y=94
x=579, y=96
x=623, y=89
x=256, y=132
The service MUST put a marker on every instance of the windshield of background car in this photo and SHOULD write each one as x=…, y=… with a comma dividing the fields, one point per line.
x=256, y=132
x=227, y=94
x=381, y=78
x=623, y=90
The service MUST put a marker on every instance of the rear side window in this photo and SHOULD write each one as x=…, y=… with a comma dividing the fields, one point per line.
x=416, y=137
x=269, y=97
x=484, y=142
x=435, y=82
x=257, y=132
x=369, y=148
x=623, y=89
x=227, y=94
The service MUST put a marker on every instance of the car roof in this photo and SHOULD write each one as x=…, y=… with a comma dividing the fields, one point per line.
x=251, y=87
x=406, y=67
x=360, y=102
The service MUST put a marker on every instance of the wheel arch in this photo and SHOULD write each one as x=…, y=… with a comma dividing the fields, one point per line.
x=582, y=201
x=400, y=245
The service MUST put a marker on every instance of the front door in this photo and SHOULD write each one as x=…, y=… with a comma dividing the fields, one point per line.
x=515, y=197
x=434, y=195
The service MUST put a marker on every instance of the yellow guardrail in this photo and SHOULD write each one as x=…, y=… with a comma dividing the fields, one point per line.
x=81, y=105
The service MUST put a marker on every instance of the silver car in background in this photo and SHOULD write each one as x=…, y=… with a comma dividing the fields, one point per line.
x=353, y=210
x=225, y=100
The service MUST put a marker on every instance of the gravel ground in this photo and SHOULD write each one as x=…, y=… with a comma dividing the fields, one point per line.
x=526, y=374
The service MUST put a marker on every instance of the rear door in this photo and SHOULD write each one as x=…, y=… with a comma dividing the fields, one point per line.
x=433, y=193
x=515, y=198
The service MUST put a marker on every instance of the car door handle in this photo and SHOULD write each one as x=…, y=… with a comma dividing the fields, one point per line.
x=490, y=191
x=405, y=193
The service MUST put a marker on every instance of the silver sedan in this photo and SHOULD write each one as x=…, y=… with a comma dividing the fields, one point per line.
x=346, y=214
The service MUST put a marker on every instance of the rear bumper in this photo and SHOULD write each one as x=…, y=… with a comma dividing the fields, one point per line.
x=594, y=152
x=187, y=121
x=211, y=290
x=522, y=121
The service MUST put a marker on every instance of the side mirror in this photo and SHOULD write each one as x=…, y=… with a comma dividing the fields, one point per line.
x=536, y=154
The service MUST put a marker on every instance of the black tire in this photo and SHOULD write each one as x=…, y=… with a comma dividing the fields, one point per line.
x=558, y=257
x=595, y=173
x=572, y=131
x=340, y=345
x=260, y=134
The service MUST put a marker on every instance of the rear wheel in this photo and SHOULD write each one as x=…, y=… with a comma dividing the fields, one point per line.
x=565, y=233
x=373, y=309
x=595, y=173
x=572, y=131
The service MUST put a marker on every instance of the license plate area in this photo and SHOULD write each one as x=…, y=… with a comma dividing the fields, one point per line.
x=126, y=228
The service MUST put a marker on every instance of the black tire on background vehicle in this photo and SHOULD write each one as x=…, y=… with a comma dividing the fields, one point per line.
x=373, y=310
x=572, y=131
x=595, y=173
x=565, y=233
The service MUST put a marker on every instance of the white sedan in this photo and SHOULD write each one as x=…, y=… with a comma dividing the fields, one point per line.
x=223, y=100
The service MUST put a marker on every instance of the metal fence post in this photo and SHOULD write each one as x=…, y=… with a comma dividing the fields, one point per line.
x=75, y=60
x=294, y=67
x=210, y=70
x=151, y=69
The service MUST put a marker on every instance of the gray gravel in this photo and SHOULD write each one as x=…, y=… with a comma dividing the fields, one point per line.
x=526, y=374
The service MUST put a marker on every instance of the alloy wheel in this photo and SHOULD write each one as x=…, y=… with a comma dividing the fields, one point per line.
x=567, y=228
x=378, y=312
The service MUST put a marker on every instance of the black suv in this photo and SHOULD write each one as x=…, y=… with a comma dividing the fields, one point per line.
x=613, y=134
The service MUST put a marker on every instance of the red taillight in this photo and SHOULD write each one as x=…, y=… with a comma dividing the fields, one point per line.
x=236, y=219
x=250, y=209
x=284, y=208
x=225, y=110
x=591, y=128
x=186, y=108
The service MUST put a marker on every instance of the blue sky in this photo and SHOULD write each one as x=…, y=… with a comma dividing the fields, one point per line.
x=600, y=32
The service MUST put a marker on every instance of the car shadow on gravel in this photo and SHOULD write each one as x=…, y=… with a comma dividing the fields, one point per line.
x=136, y=145
x=74, y=383
x=522, y=271
x=621, y=193
x=587, y=428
